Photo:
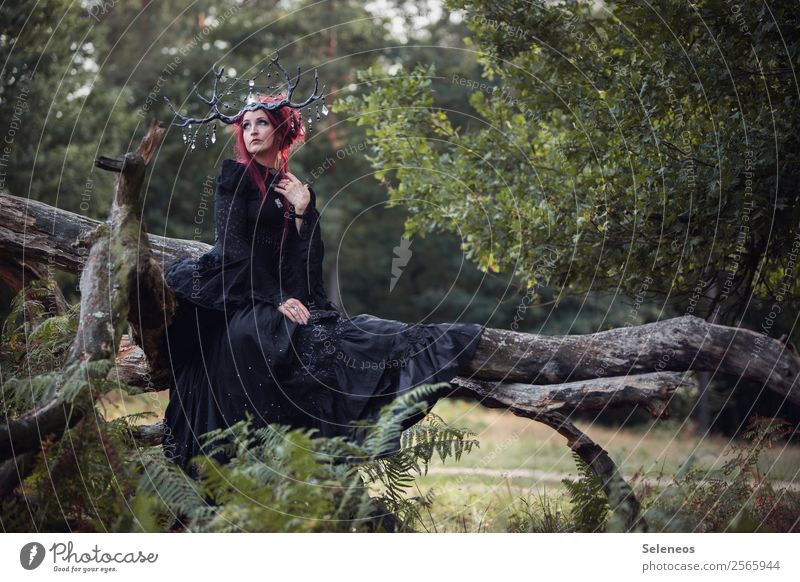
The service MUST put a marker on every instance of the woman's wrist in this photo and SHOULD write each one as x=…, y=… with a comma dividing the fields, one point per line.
x=300, y=209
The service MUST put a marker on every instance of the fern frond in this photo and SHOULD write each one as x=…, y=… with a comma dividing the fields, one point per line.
x=590, y=506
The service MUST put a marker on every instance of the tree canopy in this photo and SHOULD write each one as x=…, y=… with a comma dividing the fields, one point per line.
x=648, y=149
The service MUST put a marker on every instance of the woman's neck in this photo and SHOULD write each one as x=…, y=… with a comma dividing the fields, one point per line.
x=267, y=160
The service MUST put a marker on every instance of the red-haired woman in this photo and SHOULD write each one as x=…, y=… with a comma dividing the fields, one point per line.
x=255, y=332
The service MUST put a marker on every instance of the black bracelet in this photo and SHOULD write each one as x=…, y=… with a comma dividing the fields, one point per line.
x=293, y=214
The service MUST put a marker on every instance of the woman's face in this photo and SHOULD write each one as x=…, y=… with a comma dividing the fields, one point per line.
x=259, y=134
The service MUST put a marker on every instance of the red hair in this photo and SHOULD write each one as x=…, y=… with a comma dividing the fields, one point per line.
x=288, y=132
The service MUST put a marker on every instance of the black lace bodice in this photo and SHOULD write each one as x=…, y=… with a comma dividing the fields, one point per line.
x=248, y=261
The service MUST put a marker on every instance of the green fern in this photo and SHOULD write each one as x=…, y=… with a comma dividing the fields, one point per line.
x=280, y=479
x=33, y=343
x=417, y=445
x=21, y=394
x=82, y=482
x=590, y=506
x=277, y=479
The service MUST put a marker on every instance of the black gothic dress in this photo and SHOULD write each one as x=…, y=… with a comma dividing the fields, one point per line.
x=233, y=353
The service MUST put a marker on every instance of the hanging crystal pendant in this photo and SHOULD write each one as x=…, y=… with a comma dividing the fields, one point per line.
x=251, y=83
x=325, y=110
x=206, y=141
x=183, y=134
x=214, y=133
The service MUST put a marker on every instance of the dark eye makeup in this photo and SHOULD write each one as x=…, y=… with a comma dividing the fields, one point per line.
x=260, y=121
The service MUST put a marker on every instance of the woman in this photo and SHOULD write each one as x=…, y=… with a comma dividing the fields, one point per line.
x=255, y=332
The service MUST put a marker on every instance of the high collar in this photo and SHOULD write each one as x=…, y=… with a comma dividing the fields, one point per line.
x=265, y=169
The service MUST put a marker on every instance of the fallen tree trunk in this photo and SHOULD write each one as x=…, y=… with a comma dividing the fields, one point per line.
x=673, y=345
x=27, y=231
x=651, y=391
x=108, y=282
x=538, y=403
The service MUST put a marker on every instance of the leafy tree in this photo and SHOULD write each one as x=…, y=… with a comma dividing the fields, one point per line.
x=632, y=147
x=54, y=120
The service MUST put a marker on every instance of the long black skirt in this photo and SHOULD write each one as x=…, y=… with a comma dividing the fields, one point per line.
x=324, y=375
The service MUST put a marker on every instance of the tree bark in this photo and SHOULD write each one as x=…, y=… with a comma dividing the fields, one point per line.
x=651, y=391
x=673, y=345
x=108, y=282
x=26, y=231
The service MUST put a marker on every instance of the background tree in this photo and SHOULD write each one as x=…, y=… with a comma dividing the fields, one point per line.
x=647, y=150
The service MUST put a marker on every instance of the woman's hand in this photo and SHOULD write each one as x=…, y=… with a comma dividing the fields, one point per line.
x=296, y=193
x=295, y=310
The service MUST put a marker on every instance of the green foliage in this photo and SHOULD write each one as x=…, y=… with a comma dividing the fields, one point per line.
x=418, y=445
x=588, y=512
x=81, y=482
x=590, y=508
x=33, y=352
x=600, y=159
x=736, y=497
x=277, y=478
x=33, y=347
x=283, y=479
x=32, y=341
x=52, y=52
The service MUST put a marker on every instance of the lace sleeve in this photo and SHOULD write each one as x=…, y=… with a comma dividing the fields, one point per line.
x=311, y=254
x=230, y=213
x=232, y=239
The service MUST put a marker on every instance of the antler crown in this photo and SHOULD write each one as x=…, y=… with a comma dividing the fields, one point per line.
x=251, y=103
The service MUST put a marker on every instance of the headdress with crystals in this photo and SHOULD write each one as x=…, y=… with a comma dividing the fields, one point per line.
x=233, y=98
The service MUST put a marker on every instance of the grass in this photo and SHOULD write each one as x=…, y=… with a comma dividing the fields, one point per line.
x=519, y=459
x=509, y=442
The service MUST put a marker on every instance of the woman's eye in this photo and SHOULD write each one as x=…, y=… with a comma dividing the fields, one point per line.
x=262, y=121
x=246, y=125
